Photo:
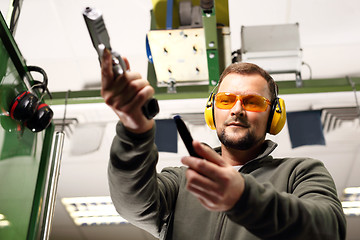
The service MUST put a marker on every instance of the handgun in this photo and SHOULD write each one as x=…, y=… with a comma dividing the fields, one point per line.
x=101, y=40
x=185, y=135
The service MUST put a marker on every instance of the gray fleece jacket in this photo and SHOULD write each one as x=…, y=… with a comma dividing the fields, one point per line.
x=284, y=198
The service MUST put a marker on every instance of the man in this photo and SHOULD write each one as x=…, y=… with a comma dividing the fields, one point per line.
x=237, y=192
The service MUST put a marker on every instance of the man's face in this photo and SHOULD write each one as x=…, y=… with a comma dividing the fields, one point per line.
x=236, y=127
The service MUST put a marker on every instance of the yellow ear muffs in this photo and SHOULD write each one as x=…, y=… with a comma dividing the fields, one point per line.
x=276, y=121
x=209, y=112
x=277, y=117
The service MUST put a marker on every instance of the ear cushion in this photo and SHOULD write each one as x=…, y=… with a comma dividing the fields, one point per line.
x=209, y=112
x=277, y=117
x=23, y=106
x=41, y=119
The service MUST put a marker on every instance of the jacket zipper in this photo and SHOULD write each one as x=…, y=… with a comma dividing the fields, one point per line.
x=221, y=225
x=222, y=219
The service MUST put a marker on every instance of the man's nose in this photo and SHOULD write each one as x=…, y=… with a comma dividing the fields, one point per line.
x=237, y=108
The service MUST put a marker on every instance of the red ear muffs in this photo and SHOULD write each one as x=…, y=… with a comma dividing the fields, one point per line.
x=23, y=106
x=27, y=109
x=41, y=119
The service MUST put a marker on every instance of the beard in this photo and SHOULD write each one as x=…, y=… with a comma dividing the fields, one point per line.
x=243, y=143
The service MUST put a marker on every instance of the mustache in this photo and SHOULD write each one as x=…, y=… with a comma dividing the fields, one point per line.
x=237, y=121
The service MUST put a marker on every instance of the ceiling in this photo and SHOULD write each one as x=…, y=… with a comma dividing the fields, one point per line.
x=52, y=34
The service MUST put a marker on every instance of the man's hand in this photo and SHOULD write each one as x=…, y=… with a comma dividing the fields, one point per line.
x=126, y=94
x=216, y=184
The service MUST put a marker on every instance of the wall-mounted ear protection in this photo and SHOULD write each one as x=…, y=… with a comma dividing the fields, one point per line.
x=41, y=119
x=23, y=106
x=27, y=108
x=275, y=123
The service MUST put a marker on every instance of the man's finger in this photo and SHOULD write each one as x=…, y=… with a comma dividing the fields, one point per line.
x=126, y=63
x=140, y=98
x=200, y=182
x=206, y=168
x=208, y=153
x=129, y=94
x=107, y=75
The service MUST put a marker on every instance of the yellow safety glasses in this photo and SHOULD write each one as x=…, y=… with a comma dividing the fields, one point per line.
x=251, y=102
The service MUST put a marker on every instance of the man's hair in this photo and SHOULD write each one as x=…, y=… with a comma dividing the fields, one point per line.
x=244, y=68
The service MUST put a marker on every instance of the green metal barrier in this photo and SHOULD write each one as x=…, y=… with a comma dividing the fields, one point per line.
x=24, y=155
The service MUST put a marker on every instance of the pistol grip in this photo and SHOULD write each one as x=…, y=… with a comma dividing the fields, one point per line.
x=150, y=108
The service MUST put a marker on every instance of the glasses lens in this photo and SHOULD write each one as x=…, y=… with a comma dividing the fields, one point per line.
x=254, y=103
x=225, y=100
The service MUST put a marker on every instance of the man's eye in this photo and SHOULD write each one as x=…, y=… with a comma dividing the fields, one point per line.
x=253, y=101
x=225, y=101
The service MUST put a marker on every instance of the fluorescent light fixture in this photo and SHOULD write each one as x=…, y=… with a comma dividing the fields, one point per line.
x=352, y=190
x=90, y=211
x=351, y=201
x=350, y=204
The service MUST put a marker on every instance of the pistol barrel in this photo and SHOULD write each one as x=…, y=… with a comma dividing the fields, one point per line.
x=97, y=29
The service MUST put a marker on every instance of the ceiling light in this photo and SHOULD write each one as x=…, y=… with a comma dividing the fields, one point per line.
x=92, y=211
x=352, y=190
x=351, y=201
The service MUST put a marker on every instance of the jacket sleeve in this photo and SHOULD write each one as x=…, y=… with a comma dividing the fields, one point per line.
x=310, y=208
x=140, y=195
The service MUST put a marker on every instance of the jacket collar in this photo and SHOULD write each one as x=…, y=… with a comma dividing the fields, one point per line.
x=267, y=148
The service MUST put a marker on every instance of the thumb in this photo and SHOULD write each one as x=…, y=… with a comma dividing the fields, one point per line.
x=126, y=63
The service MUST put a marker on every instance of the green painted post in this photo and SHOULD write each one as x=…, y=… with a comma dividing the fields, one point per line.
x=209, y=24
